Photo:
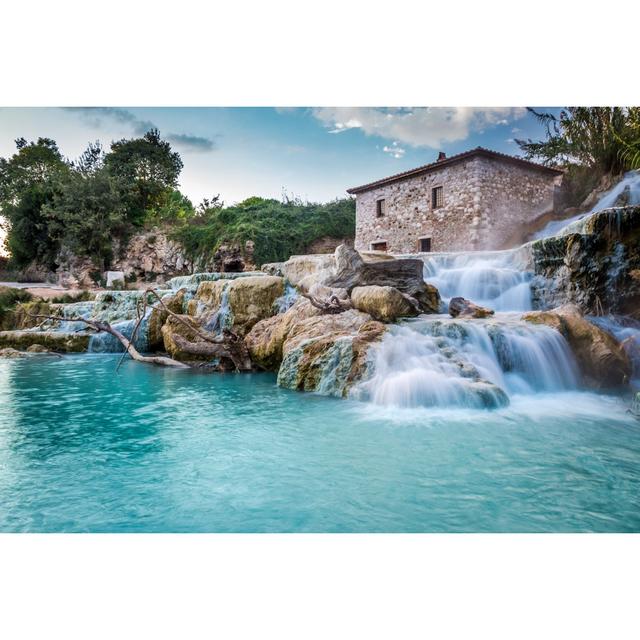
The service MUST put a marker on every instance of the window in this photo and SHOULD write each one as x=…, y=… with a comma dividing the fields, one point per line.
x=437, y=198
x=424, y=245
x=381, y=208
x=379, y=246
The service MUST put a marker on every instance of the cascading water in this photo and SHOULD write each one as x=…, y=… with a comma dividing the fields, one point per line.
x=442, y=361
x=221, y=318
x=496, y=279
x=287, y=299
x=627, y=191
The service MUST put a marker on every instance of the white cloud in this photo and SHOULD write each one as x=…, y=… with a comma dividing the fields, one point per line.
x=395, y=150
x=419, y=126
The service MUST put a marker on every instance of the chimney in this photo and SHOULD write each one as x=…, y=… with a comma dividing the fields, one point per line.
x=442, y=156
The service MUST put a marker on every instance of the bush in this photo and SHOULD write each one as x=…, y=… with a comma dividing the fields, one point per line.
x=278, y=229
x=9, y=298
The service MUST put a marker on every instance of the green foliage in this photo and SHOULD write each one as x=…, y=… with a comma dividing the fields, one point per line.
x=149, y=169
x=29, y=180
x=279, y=229
x=9, y=298
x=84, y=206
x=67, y=298
x=87, y=213
x=630, y=148
x=173, y=208
x=595, y=137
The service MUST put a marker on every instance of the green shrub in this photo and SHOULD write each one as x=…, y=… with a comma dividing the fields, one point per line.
x=9, y=298
x=278, y=229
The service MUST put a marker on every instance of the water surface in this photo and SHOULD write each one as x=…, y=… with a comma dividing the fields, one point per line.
x=148, y=449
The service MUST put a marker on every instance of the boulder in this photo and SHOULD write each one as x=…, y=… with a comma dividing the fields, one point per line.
x=602, y=361
x=250, y=300
x=11, y=353
x=173, y=327
x=405, y=275
x=463, y=308
x=386, y=304
x=159, y=316
x=114, y=279
x=593, y=264
x=37, y=348
x=328, y=353
x=51, y=340
x=266, y=338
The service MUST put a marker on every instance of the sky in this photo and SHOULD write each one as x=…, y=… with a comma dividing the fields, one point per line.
x=312, y=153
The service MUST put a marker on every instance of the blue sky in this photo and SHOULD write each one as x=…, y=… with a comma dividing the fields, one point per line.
x=314, y=153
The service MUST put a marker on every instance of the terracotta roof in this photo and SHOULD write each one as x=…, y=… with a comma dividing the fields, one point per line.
x=438, y=164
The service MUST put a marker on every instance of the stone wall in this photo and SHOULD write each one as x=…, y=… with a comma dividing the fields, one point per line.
x=485, y=201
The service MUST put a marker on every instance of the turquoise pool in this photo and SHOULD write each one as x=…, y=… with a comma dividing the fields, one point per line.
x=154, y=450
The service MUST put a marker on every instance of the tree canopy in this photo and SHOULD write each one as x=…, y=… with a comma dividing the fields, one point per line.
x=594, y=137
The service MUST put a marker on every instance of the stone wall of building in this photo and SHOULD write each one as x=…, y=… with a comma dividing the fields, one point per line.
x=484, y=203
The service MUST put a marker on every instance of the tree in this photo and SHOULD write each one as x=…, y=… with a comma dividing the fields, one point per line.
x=149, y=169
x=87, y=214
x=593, y=137
x=29, y=180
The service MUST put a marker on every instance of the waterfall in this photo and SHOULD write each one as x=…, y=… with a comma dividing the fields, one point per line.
x=287, y=299
x=442, y=361
x=629, y=184
x=495, y=279
x=222, y=317
x=192, y=281
x=627, y=332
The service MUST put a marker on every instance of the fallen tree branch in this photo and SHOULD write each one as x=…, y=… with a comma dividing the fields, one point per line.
x=192, y=326
x=99, y=326
x=332, y=304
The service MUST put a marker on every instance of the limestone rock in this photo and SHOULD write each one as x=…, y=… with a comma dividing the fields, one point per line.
x=328, y=353
x=173, y=327
x=594, y=265
x=266, y=338
x=386, y=304
x=463, y=308
x=602, y=361
x=405, y=274
x=159, y=316
x=10, y=353
x=250, y=300
x=51, y=340
x=37, y=348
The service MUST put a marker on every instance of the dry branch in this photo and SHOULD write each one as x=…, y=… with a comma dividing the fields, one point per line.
x=99, y=326
x=332, y=304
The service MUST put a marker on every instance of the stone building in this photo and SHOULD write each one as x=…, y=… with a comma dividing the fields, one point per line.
x=479, y=199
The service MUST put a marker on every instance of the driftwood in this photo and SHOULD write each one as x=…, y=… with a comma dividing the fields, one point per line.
x=98, y=325
x=332, y=304
x=230, y=348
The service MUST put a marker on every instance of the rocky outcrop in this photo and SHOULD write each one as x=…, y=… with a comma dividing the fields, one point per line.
x=386, y=304
x=152, y=256
x=248, y=300
x=267, y=337
x=463, y=308
x=328, y=353
x=51, y=340
x=186, y=329
x=159, y=315
x=595, y=264
x=319, y=352
x=602, y=361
